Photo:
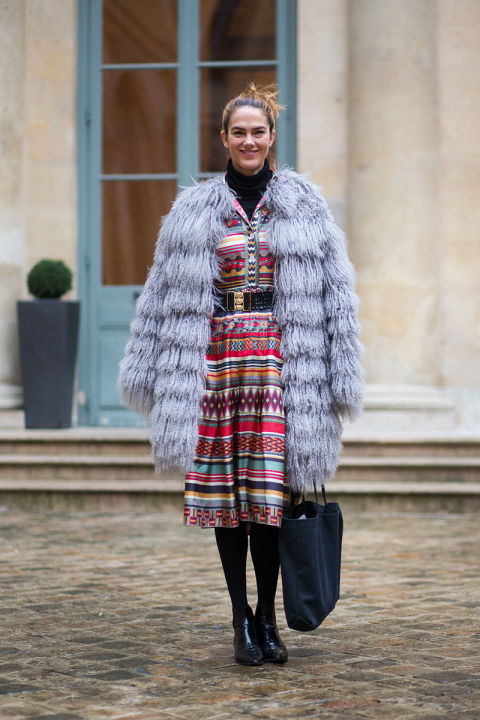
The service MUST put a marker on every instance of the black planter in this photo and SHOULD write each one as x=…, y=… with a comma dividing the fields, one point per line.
x=48, y=332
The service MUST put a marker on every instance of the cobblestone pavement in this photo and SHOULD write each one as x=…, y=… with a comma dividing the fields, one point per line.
x=124, y=615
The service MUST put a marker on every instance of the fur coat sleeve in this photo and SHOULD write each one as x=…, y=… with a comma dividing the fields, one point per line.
x=162, y=374
x=343, y=329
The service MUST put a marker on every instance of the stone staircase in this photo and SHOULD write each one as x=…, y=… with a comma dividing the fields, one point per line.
x=80, y=459
x=439, y=468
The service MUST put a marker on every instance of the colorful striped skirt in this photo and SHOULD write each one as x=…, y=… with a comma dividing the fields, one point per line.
x=238, y=472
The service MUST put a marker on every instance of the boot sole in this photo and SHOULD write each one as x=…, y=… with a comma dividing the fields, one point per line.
x=279, y=661
x=249, y=664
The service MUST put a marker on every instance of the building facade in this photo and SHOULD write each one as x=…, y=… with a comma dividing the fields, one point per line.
x=108, y=107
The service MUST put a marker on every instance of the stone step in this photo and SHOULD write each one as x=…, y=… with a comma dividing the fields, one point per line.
x=122, y=468
x=164, y=484
x=84, y=448
x=118, y=459
x=85, y=441
x=174, y=484
x=129, y=441
x=412, y=448
x=433, y=461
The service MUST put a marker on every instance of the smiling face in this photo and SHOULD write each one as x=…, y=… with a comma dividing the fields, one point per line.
x=249, y=139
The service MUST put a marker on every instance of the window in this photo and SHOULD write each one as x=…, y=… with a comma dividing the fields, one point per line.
x=167, y=69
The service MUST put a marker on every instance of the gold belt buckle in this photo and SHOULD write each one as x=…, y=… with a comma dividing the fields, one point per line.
x=238, y=300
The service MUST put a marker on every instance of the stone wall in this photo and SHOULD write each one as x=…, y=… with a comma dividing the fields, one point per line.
x=12, y=116
x=458, y=34
x=38, y=216
x=389, y=107
x=392, y=201
x=50, y=130
x=323, y=97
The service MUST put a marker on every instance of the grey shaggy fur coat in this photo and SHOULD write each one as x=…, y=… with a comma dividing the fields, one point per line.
x=163, y=372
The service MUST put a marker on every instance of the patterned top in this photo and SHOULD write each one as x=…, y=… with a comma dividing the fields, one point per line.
x=244, y=257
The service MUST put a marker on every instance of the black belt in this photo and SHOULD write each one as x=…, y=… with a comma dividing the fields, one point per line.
x=244, y=301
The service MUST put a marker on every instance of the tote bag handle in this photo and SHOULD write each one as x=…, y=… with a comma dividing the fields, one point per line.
x=324, y=494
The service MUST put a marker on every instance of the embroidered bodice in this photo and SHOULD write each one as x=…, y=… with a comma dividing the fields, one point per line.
x=244, y=257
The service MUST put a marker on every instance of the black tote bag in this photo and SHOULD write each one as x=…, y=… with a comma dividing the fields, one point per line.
x=310, y=559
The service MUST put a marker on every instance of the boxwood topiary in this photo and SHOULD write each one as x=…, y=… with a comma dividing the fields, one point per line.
x=49, y=279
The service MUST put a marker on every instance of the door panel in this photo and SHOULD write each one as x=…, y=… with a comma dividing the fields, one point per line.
x=139, y=31
x=139, y=121
x=131, y=212
x=110, y=348
x=236, y=31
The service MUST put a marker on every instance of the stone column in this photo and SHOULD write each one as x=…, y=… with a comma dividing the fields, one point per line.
x=392, y=190
x=322, y=98
x=459, y=193
x=12, y=50
x=393, y=150
x=50, y=132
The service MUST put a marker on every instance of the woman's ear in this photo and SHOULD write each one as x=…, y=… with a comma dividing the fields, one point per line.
x=224, y=138
x=272, y=138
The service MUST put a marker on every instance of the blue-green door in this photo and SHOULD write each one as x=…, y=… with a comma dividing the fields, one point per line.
x=153, y=78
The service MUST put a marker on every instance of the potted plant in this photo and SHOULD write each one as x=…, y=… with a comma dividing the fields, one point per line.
x=48, y=333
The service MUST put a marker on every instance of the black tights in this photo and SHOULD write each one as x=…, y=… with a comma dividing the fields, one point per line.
x=233, y=544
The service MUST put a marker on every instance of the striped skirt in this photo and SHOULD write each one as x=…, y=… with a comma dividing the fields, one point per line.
x=238, y=472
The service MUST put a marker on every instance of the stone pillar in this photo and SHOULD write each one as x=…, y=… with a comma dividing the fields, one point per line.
x=392, y=207
x=459, y=193
x=50, y=132
x=392, y=190
x=12, y=50
x=37, y=151
x=322, y=98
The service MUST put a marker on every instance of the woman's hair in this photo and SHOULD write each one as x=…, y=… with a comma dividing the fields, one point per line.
x=263, y=97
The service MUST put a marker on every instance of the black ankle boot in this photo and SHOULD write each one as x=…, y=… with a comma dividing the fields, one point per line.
x=268, y=638
x=247, y=652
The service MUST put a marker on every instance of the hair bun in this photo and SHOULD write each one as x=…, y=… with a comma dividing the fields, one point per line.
x=267, y=94
x=264, y=97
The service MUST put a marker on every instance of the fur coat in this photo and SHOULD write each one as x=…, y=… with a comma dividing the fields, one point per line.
x=162, y=374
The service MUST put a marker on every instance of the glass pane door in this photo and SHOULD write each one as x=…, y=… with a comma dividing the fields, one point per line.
x=139, y=132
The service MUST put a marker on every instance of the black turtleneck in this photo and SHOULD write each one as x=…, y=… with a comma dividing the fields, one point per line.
x=249, y=188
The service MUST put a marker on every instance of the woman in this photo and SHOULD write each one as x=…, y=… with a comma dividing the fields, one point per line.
x=245, y=355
